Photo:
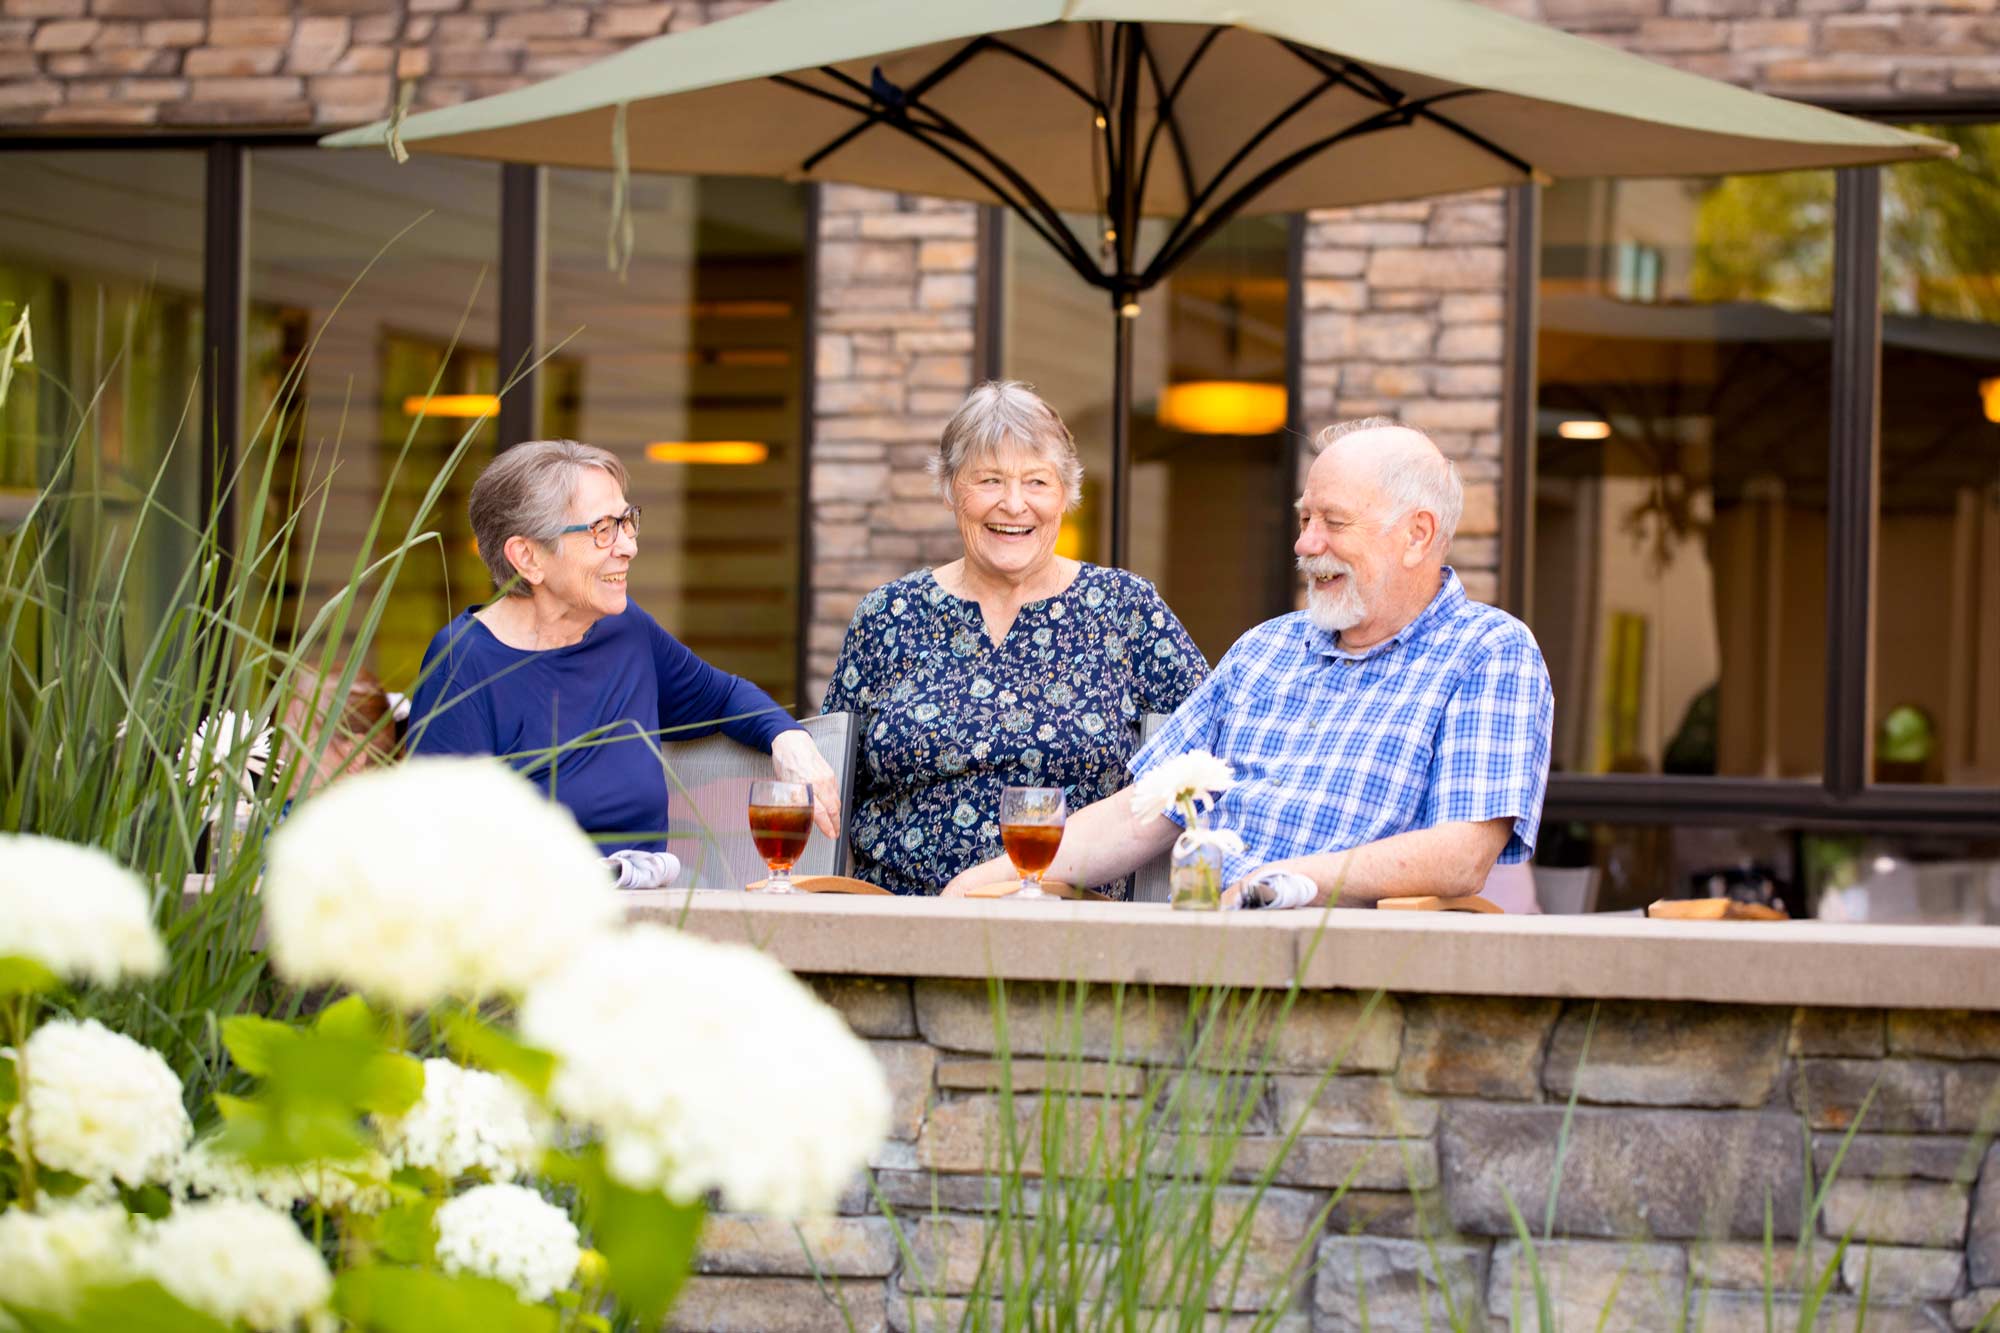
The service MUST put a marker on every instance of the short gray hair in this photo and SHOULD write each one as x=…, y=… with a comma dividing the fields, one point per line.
x=526, y=492
x=999, y=413
x=1411, y=477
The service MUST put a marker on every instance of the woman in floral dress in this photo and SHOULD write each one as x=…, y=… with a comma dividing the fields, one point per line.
x=1012, y=666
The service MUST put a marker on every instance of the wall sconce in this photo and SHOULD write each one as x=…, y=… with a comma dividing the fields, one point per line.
x=451, y=404
x=1989, y=397
x=707, y=451
x=1584, y=430
x=1223, y=407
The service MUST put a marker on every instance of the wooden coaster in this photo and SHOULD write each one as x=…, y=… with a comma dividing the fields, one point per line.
x=827, y=884
x=1007, y=889
x=1429, y=903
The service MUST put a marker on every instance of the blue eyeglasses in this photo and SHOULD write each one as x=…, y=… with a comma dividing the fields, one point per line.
x=605, y=530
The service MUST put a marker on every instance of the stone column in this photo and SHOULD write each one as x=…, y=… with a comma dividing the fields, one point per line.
x=897, y=291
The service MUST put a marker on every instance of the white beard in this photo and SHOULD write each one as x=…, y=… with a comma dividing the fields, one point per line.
x=1337, y=609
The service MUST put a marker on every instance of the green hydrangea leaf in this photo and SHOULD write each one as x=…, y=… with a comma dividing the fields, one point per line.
x=22, y=975
x=385, y=1299
x=483, y=1046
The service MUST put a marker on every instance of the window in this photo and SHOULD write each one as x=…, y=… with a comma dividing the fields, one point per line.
x=1936, y=678
x=105, y=251
x=691, y=369
x=1681, y=449
x=1765, y=502
x=375, y=281
x=1212, y=465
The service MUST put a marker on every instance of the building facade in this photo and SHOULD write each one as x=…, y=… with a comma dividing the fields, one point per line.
x=1732, y=447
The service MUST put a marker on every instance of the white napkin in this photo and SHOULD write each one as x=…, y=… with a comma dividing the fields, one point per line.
x=1277, y=888
x=643, y=870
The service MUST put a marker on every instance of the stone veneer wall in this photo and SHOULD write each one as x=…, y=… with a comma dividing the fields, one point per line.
x=1686, y=1114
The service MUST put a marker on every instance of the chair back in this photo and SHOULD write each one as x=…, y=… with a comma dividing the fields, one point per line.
x=707, y=817
x=1152, y=882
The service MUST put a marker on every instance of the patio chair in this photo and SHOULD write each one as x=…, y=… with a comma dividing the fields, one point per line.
x=1152, y=884
x=708, y=825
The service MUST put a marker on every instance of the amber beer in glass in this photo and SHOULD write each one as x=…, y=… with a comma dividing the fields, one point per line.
x=1031, y=829
x=781, y=815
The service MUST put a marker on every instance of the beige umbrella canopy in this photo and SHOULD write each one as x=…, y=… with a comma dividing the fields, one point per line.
x=1178, y=109
x=1193, y=111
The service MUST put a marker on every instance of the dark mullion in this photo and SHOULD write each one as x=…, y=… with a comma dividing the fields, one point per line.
x=521, y=231
x=808, y=371
x=1851, y=477
x=1517, y=401
x=1647, y=799
x=1296, y=445
x=225, y=219
x=989, y=336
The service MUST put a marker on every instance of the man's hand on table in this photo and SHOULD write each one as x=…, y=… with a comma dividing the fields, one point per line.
x=795, y=758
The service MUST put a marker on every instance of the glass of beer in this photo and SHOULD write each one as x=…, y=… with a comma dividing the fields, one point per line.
x=1031, y=829
x=781, y=820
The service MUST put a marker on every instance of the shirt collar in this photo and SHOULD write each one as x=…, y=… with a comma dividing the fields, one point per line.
x=1450, y=596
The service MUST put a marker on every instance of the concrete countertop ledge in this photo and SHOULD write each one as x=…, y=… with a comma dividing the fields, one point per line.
x=1604, y=957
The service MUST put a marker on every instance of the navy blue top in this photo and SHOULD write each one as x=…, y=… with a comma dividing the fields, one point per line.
x=953, y=717
x=624, y=679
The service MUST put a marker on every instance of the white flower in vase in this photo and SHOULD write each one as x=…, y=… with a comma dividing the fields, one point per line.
x=1189, y=784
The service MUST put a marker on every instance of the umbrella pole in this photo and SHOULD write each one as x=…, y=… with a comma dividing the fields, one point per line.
x=1121, y=435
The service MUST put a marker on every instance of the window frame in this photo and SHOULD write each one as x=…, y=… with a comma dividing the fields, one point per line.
x=522, y=223
x=1845, y=797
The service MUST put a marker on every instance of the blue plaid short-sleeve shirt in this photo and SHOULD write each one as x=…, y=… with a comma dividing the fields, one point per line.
x=1449, y=720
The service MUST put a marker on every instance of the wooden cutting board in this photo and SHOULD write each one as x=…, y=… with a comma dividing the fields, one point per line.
x=1712, y=909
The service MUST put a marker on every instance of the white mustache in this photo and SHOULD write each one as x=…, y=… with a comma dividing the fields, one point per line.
x=1322, y=566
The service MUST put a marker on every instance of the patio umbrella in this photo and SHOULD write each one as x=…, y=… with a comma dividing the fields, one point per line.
x=1190, y=111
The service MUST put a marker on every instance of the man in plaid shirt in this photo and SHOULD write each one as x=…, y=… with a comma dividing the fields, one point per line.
x=1390, y=740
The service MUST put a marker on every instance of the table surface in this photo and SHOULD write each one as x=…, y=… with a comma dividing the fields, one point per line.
x=1609, y=957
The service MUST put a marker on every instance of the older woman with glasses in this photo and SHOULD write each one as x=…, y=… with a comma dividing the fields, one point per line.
x=564, y=676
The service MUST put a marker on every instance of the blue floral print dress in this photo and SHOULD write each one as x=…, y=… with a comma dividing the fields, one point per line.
x=949, y=717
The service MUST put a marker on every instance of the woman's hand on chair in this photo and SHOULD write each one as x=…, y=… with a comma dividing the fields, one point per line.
x=795, y=758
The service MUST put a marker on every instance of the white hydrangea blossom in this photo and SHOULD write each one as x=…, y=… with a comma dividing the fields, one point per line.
x=468, y=1121
x=75, y=910
x=356, y=1187
x=434, y=879
x=49, y=1258
x=510, y=1233
x=1188, y=779
x=238, y=1260
x=99, y=1105
x=709, y=1067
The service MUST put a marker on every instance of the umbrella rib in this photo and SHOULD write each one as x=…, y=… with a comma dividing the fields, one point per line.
x=1036, y=62
x=878, y=110
x=1197, y=202
x=1175, y=247
x=1348, y=73
x=1163, y=115
x=1049, y=226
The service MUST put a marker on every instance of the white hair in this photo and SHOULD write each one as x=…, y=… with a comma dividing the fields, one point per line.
x=1410, y=470
x=1002, y=414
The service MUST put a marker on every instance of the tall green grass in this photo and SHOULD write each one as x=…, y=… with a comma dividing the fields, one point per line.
x=101, y=708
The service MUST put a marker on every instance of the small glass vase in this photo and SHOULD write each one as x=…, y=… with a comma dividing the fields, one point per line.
x=1196, y=876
